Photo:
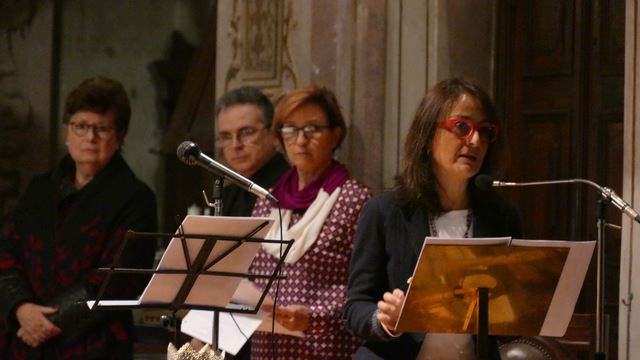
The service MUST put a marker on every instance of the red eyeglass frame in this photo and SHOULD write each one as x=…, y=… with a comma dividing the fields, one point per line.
x=450, y=125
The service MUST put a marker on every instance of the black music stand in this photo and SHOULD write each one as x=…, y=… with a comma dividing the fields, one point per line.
x=183, y=281
x=477, y=286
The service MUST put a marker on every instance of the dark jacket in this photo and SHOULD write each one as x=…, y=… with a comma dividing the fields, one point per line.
x=239, y=202
x=51, y=247
x=387, y=247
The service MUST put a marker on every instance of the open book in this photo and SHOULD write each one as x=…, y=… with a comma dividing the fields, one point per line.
x=533, y=285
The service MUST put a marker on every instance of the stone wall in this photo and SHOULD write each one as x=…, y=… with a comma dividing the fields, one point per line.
x=378, y=56
x=138, y=43
x=25, y=92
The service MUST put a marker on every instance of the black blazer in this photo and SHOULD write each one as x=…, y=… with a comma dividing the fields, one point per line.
x=387, y=245
x=239, y=202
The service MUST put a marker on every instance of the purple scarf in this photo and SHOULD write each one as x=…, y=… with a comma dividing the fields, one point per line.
x=286, y=189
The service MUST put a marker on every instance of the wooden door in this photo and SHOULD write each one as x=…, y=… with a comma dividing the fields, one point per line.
x=560, y=89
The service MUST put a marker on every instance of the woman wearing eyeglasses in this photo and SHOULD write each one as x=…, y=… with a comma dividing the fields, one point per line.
x=320, y=207
x=454, y=137
x=68, y=223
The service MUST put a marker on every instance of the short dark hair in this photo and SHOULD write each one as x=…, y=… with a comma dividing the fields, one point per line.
x=416, y=182
x=100, y=95
x=247, y=95
x=313, y=94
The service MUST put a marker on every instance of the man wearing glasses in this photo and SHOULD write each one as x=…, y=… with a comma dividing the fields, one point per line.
x=243, y=133
x=243, y=129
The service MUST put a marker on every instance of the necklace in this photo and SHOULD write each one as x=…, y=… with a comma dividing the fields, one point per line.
x=434, y=231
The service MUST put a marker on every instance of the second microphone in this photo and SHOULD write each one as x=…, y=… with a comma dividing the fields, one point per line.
x=190, y=153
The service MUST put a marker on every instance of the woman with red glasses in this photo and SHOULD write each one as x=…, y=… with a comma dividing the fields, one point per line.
x=453, y=138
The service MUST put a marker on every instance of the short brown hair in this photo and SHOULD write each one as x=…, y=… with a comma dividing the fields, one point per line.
x=100, y=95
x=416, y=182
x=314, y=94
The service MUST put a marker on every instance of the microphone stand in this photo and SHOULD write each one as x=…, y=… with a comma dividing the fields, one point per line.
x=607, y=196
x=217, y=205
x=600, y=353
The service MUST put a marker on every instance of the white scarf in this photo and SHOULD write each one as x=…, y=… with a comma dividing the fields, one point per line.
x=305, y=232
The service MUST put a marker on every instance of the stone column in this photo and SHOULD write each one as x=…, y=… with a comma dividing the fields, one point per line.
x=629, y=320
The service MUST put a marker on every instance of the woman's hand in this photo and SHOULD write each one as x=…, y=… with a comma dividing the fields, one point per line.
x=35, y=327
x=389, y=309
x=292, y=317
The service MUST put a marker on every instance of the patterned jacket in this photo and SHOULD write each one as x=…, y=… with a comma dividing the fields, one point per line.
x=318, y=280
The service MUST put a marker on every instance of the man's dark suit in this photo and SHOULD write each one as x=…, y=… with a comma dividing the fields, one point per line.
x=239, y=202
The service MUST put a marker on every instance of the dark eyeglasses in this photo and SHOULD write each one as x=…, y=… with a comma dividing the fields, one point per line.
x=464, y=128
x=81, y=129
x=290, y=133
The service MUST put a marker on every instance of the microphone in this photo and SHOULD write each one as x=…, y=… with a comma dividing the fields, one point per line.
x=189, y=153
x=485, y=182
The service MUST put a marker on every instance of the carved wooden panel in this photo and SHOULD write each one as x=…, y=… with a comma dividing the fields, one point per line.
x=542, y=94
x=542, y=156
x=549, y=41
x=563, y=94
x=611, y=36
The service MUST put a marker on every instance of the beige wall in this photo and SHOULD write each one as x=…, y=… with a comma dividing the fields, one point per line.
x=406, y=78
x=338, y=44
x=629, y=320
x=378, y=56
x=25, y=93
x=425, y=44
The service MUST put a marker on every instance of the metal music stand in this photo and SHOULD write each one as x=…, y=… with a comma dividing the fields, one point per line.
x=175, y=287
x=525, y=289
